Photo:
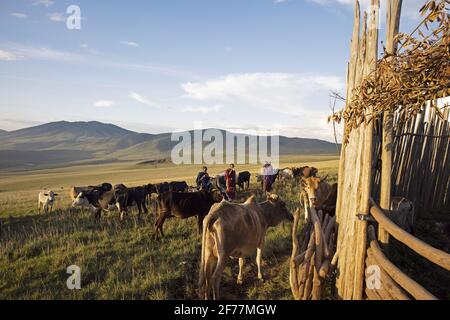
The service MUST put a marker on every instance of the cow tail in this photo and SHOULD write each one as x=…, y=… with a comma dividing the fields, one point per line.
x=201, y=278
x=207, y=223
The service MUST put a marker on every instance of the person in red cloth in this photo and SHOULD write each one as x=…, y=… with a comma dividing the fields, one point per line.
x=230, y=179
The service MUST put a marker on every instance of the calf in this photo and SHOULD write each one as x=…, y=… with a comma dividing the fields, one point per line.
x=46, y=200
x=402, y=213
x=314, y=192
x=184, y=205
x=236, y=230
x=138, y=196
x=243, y=180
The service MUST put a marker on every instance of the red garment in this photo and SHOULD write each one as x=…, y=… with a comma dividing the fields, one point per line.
x=230, y=179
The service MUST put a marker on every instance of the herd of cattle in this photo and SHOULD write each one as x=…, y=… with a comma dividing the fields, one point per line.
x=229, y=229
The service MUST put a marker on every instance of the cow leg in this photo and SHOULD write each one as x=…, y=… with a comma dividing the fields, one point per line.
x=144, y=207
x=221, y=262
x=39, y=207
x=258, y=263
x=139, y=206
x=97, y=214
x=210, y=263
x=200, y=223
x=241, y=267
x=159, y=225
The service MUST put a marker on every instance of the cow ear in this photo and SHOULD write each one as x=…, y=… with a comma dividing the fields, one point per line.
x=46, y=194
x=55, y=194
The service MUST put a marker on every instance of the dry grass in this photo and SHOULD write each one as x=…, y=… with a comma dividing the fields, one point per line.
x=123, y=260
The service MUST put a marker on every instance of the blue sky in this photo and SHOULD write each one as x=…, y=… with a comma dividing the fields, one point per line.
x=161, y=65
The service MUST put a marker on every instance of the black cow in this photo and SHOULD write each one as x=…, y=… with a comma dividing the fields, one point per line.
x=220, y=184
x=244, y=179
x=162, y=187
x=102, y=187
x=134, y=195
x=184, y=205
x=178, y=186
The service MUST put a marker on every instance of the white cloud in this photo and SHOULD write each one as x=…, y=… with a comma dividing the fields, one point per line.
x=279, y=1
x=84, y=46
x=7, y=56
x=202, y=109
x=42, y=53
x=130, y=44
x=104, y=103
x=141, y=99
x=228, y=48
x=45, y=3
x=19, y=15
x=56, y=17
x=281, y=92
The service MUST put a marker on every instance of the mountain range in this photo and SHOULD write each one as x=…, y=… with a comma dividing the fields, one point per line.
x=65, y=143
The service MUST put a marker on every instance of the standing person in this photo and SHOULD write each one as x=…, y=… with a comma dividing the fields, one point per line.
x=230, y=179
x=267, y=172
x=203, y=179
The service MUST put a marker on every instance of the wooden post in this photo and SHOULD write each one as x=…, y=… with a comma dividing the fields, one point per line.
x=366, y=170
x=346, y=155
x=392, y=28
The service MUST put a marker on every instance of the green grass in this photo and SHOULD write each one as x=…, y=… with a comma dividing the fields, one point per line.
x=122, y=260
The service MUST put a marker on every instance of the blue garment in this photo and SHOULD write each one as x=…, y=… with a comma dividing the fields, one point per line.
x=203, y=183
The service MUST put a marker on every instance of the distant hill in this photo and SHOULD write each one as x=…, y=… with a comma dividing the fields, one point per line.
x=64, y=143
x=3, y=131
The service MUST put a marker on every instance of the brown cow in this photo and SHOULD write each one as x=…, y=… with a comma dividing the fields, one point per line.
x=314, y=192
x=236, y=230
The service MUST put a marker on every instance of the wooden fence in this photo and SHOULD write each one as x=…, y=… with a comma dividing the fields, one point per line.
x=421, y=164
x=394, y=284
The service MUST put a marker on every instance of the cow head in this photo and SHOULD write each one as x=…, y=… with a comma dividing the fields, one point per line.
x=280, y=212
x=216, y=195
x=121, y=197
x=150, y=188
x=50, y=195
x=310, y=186
x=80, y=201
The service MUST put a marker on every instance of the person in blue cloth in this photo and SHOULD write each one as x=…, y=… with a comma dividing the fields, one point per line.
x=203, y=180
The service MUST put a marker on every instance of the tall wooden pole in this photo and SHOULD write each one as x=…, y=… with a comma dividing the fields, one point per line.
x=394, y=8
x=366, y=170
x=341, y=205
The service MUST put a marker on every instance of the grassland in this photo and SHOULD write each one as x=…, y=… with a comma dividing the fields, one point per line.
x=123, y=260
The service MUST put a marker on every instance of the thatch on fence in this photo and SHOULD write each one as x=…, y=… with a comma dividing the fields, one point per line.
x=407, y=78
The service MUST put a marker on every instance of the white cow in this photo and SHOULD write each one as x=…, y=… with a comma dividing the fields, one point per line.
x=46, y=200
x=236, y=230
x=286, y=174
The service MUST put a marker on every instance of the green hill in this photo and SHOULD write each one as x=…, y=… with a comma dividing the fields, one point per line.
x=66, y=143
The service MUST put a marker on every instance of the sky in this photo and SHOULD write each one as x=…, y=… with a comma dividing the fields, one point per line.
x=169, y=65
